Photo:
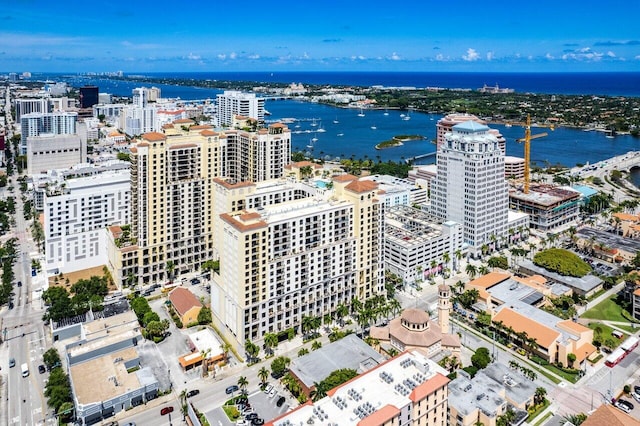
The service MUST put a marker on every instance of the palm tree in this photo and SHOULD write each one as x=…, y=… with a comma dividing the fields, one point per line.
x=446, y=258
x=170, y=267
x=395, y=307
x=225, y=351
x=316, y=345
x=471, y=270
x=263, y=374
x=270, y=341
x=538, y=397
x=483, y=270
x=183, y=404
x=243, y=383
x=342, y=311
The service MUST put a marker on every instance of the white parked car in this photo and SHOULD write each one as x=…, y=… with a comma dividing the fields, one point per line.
x=635, y=395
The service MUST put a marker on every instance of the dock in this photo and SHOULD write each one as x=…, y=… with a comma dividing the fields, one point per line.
x=419, y=157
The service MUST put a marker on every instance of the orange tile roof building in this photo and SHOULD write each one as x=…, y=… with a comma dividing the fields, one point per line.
x=414, y=329
x=186, y=305
x=513, y=304
x=408, y=389
x=610, y=416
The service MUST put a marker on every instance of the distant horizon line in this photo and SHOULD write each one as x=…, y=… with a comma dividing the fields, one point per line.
x=99, y=73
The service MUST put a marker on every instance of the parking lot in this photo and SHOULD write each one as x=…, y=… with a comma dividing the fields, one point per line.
x=262, y=404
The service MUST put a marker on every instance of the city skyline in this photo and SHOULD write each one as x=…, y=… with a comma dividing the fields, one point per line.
x=348, y=36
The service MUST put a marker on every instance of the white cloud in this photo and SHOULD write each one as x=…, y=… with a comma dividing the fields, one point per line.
x=471, y=55
x=395, y=57
x=253, y=57
x=233, y=55
x=358, y=58
x=549, y=56
x=611, y=54
x=222, y=56
x=584, y=50
x=490, y=56
x=193, y=57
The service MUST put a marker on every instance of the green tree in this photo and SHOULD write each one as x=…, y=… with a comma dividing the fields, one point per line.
x=481, y=358
x=279, y=366
x=316, y=345
x=575, y=419
x=150, y=316
x=171, y=268
x=571, y=358
x=303, y=352
x=204, y=316
x=471, y=270
x=498, y=262
x=263, y=374
x=270, y=341
x=539, y=396
x=51, y=359
x=243, y=383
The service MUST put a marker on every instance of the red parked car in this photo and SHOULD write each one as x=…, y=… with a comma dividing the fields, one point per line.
x=166, y=410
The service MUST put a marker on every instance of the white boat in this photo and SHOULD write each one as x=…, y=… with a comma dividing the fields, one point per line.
x=297, y=126
x=340, y=134
x=361, y=113
x=336, y=121
x=321, y=129
x=314, y=139
x=507, y=125
x=401, y=115
x=313, y=122
x=386, y=112
x=374, y=128
x=406, y=117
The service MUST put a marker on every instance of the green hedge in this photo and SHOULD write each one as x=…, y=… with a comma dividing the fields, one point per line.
x=562, y=261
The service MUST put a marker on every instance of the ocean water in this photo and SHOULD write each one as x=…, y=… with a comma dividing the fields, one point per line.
x=354, y=136
x=601, y=83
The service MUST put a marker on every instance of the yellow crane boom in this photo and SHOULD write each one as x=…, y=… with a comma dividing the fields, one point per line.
x=527, y=151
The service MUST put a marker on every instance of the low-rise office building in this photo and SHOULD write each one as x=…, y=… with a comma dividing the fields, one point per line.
x=47, y=152
x=549, y=207
x=408, y=389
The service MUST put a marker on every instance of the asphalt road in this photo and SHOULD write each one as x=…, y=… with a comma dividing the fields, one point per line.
x=25, y=337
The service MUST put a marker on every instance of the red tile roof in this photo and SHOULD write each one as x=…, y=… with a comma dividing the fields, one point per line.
x=427, y=388
x=154, y=137
x=380, y=416
x=183, y=300
x=360, y=186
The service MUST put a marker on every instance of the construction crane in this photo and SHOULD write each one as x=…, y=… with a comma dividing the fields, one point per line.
x=527, y=151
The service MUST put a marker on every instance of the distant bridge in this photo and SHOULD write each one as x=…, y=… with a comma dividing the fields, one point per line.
x=420, y=157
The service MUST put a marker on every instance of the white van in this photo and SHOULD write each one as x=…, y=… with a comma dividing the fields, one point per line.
x=617, y=334
x=25, y=369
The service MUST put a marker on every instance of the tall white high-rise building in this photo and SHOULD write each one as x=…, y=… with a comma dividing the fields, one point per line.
x=76, y=215
x=30, y=106
x=470, y=187
x=55, y=123
x=232, y=103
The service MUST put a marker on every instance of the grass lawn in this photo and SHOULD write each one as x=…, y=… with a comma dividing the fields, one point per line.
x=570, y=377
x=607, y=310
x=606, y=332
x=544, y=418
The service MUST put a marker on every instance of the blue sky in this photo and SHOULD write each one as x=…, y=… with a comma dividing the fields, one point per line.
x=347, y=35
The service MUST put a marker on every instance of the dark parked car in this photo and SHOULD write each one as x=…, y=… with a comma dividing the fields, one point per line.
x=625, y=406
x=166, y=410
x=281, y=401
x=41, y=369
x=251, y=416
x=257, y=422
x=195, y=281
x=19, y=283
x=231, y=389
x=12, y=362
x=192, y=392
x=637, y=389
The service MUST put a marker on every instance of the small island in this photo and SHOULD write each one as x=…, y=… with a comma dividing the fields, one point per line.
x=398, y=141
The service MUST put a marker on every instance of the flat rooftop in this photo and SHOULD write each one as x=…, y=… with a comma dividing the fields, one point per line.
x=584, y=284
x=406, y=225
x=349, y=352
x=481, y=392
x=381, y=391
x=206, y=341
x=104, y=378
x=610, y=240
x=545, y=195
